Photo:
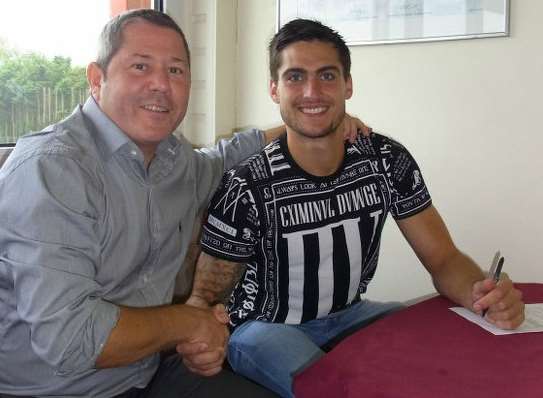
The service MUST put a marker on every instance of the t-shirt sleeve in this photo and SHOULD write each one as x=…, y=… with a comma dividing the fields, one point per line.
x=232, y=225
x=409, y=192
x=211, y=163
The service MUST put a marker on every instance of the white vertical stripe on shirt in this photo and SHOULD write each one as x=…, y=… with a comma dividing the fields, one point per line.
x=295, y=244
x=354, y=248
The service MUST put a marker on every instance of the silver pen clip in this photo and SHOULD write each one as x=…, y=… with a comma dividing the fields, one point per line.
x=494, y=265
x=494, y=272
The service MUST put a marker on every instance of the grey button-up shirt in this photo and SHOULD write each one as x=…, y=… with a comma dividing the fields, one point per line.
x=84, y=227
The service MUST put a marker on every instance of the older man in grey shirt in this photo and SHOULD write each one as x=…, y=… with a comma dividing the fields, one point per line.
x=96, y=214
x=84, y=228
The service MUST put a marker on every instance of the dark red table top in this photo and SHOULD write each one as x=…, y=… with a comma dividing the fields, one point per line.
x=428, y=351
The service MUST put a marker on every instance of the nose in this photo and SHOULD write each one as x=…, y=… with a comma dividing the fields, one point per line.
x=312, y=87
x=159, y=80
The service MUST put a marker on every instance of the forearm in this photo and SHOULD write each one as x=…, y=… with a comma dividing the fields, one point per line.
x=456, y=277
x=352, y=128
x=453, y=272
x=214, y=280
x=141, y=332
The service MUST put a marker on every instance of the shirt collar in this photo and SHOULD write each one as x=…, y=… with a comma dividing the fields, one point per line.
x=109, y=136
x=111, y=139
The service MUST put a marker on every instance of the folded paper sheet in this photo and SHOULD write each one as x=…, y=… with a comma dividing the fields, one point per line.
x=532, y=323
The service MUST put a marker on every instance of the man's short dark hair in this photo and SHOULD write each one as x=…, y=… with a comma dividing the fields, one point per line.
x=111, y=38
x=307, y=30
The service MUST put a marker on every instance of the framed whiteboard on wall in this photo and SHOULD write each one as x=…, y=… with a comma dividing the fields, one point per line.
x=364, y=22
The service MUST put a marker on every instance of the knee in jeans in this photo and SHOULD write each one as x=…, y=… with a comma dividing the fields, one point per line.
x=245, y=346
x=236, y=354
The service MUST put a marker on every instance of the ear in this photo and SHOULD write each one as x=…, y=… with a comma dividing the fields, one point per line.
x=273, y=91
x=95, y=78
x=348, y=88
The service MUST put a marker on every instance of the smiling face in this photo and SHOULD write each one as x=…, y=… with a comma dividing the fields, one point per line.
x=311, y=89
x=145, y=89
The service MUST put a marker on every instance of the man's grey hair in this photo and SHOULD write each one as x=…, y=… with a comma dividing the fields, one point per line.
x=111, y=37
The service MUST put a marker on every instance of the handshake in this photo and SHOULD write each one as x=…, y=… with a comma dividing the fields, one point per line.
x=204, y=352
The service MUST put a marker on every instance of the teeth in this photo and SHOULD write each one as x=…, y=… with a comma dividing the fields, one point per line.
x=155, y=108
x=313, y=110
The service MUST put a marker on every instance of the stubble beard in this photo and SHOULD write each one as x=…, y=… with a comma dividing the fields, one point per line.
x=297, y=127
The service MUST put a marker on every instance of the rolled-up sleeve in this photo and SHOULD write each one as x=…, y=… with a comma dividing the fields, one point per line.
x=51, y=247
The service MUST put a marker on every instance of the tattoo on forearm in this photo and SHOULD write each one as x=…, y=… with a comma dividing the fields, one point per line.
x=215, y=279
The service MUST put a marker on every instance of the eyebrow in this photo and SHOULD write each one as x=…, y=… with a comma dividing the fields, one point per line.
x=320, y=70
x=145, y=56
x=329, y=67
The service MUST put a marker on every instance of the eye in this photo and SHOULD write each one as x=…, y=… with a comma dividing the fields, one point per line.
x=175, y=70
x=139, y=66
x=295, y=77
x=328, y=76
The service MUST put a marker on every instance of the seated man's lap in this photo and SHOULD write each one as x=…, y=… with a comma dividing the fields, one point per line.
x=173, y=379
x=271, y=353
x=330, y=330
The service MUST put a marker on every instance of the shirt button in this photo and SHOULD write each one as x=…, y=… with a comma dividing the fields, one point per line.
x=145, y=278
x=134, y=153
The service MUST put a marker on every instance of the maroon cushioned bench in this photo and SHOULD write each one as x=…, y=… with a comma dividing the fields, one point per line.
x=428, y=351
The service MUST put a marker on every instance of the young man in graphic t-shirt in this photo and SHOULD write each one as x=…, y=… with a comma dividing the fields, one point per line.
x=295, y=230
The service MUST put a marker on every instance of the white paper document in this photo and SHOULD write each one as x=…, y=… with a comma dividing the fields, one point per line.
x=532, y=323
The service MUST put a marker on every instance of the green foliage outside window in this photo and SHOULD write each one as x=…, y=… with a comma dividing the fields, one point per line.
x=36, y=91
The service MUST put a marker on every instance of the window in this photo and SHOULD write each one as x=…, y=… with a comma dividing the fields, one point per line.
x=45, y=46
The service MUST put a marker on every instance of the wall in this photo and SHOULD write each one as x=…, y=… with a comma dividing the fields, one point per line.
x=118, y=6
x=225, y=67
x=210, y=29
x=468, y=110
x=197, y=18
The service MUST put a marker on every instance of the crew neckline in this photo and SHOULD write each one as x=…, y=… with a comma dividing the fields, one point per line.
x=307, y=175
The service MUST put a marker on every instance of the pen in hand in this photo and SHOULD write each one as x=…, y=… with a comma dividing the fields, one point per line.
x=495, y=271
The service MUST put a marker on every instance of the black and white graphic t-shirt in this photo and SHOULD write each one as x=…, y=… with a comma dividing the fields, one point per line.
x=310, y=243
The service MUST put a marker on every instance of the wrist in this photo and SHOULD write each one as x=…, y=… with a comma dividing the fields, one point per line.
x=189, y=320
x=197, y=301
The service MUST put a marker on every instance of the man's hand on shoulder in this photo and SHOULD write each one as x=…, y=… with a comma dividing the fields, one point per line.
x=352, y=127
x=503, y=301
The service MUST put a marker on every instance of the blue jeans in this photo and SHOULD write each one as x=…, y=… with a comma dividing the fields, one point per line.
x=273, y=353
